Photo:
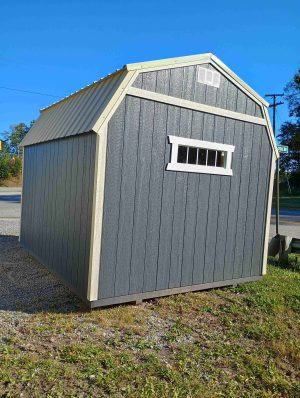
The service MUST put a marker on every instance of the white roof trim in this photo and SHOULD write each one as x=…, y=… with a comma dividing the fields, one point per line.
x=170, y=62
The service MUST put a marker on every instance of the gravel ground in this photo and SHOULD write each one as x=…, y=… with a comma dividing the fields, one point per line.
x=24, y=284
x=9, y=226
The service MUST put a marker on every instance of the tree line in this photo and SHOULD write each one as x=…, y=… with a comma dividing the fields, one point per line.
x=10, y=155
x=290, y=135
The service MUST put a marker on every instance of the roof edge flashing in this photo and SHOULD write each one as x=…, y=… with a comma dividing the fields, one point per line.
x=169, y=61
x=240, y=81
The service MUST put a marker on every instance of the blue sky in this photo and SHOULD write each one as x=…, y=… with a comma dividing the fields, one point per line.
x=57, y=47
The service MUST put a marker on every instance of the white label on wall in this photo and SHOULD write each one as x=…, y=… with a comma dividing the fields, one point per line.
x=209, y=77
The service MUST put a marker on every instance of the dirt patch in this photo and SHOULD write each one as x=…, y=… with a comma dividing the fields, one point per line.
x=12, y=182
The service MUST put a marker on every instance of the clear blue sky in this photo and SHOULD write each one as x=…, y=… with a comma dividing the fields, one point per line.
x=57, y=47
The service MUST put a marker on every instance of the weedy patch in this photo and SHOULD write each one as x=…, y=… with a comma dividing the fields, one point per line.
x=230, y=342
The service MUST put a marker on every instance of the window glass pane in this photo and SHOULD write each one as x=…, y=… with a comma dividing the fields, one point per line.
x=182, y=154
x=192, y=155
x=220, y=159
x=211, y=158
x=202, y=156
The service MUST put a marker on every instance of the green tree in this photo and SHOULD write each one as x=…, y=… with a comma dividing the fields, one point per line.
x=290, y=130
x=15, y=135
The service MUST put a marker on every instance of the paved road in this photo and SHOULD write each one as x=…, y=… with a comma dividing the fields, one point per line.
x=289, y=225
x=10, y=211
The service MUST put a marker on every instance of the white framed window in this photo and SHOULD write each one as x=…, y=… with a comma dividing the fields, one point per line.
x=196, y=156
x=208, y=76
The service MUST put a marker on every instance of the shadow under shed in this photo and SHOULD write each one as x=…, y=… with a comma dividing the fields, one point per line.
x=26, y=286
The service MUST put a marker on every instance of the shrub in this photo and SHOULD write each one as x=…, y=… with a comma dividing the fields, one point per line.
x=4, y=167
x=15, y=166
x=9, y=166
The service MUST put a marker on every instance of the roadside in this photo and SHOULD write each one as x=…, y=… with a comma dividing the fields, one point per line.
x=289, y=223
x=12, y=182
x=10, y=210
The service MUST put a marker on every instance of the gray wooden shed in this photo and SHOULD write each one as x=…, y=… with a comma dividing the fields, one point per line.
x=152, y=181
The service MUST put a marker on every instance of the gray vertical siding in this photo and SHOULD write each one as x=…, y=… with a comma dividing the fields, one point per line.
x=165, y=229
x=227, y=96
x=57, y=205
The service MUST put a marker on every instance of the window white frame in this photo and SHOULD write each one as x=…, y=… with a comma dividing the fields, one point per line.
x=195, y=168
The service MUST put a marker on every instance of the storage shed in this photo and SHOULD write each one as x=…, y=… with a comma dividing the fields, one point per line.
x=154, y=180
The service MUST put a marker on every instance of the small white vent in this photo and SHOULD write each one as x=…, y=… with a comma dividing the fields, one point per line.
x=209, y=77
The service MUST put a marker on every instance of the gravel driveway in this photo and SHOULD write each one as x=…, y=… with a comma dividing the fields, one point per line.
x=25, y=285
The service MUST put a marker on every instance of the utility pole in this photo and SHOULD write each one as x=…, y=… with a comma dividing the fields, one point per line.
x=274, y=105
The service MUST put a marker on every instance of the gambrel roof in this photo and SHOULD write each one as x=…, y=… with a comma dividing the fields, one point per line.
x=89, y=108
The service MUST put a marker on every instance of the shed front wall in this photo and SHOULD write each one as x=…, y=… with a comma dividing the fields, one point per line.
x=57, y=196
x=165, y=229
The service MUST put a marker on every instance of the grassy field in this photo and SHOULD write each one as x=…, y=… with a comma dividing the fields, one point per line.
x=288, y=203
x=233, y=342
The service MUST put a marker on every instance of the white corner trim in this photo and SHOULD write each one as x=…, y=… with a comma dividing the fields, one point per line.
x=268, y=218
x=115, y=100
x=97, y=215
x=195, y=168
x=170, y=100
x=174, y=139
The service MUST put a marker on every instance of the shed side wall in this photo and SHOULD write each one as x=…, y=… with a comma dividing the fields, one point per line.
x=165, y=229
x=57, y=206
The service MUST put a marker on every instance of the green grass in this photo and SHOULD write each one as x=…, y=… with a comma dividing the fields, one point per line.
x=288, y=203
x=232, y=342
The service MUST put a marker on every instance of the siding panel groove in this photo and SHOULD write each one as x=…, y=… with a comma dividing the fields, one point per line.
x=51, y=177
x=112, y=196
x=125, y=228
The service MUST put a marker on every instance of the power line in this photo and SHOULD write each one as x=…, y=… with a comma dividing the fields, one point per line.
x=29, y=92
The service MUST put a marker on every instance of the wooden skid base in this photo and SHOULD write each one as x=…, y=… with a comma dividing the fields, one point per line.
x=139, y=297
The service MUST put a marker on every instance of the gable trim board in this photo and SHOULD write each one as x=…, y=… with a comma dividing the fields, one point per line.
x=182, y=103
